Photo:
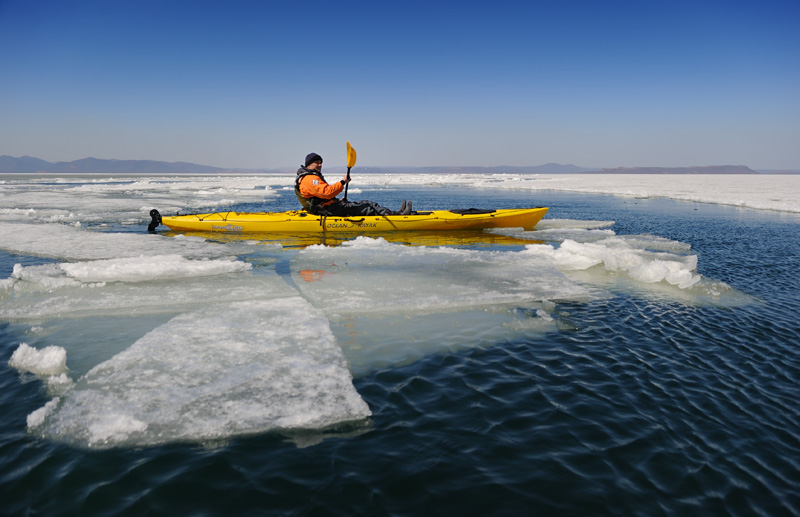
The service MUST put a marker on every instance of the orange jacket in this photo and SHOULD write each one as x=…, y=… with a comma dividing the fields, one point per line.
x=315, y=186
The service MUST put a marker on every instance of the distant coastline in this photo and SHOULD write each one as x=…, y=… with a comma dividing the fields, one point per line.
x=711, y=169
x=29, y=164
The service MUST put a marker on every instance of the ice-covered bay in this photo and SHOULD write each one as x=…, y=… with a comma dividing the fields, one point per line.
x=84, y=199
x=182, y=304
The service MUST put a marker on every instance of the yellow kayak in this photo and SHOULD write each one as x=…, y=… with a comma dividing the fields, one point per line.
x=304, y=222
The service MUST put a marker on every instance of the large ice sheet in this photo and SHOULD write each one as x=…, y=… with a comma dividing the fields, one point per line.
x=232, y=369
x=391, y=304
x=372, y=275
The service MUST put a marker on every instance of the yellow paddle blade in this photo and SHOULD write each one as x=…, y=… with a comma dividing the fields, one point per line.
x=351, y=155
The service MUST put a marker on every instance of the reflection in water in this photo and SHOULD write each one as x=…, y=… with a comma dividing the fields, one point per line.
x=477, y=238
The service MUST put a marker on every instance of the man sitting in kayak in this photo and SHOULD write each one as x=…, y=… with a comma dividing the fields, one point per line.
x=319, y=198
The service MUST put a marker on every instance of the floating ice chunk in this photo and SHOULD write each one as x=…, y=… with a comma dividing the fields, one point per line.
x=241, y=368
x=48, y=364
x=58, y=383
x=674, y=273
x=372, y=275
x=619, y=255
x=362, y=242
x=51, y=360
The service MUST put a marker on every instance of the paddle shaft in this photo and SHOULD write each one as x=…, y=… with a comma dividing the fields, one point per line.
x=346, y=184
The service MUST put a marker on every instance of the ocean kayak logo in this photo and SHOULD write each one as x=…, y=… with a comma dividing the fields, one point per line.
x=349, y=224
x=227, y=228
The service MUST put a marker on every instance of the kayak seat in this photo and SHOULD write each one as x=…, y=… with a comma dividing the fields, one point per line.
x=471, y=211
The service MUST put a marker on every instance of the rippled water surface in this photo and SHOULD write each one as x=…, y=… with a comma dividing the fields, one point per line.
x=635, y=399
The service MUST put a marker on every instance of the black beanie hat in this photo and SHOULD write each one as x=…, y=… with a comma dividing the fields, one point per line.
x=312, y=157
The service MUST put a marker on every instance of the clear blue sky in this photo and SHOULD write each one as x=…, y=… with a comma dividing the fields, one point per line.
x=259, y=84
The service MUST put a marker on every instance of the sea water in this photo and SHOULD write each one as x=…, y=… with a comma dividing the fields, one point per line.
x=632, y=355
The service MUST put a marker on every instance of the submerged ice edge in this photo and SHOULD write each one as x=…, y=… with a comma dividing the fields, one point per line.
x=210, y=374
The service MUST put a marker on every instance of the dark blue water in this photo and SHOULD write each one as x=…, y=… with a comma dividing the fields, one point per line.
x=635, y=406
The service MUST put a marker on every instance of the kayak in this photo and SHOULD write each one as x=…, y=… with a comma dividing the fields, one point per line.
x=297, y=221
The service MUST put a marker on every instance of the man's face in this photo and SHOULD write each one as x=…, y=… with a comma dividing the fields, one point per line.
x=315, y=166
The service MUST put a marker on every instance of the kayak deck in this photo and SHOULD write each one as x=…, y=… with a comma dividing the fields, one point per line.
x=301, y=221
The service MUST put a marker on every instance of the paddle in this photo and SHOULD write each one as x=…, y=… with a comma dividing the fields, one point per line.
x=351, y=161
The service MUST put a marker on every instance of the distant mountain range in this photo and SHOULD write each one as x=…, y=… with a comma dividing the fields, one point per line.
x=711, y=169
x=31, y=164
x=26, y=164
x=547, y=168
x=95, y=165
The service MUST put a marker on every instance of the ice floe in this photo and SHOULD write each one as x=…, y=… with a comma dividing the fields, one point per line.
x=373, y=275
x=226, y=370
